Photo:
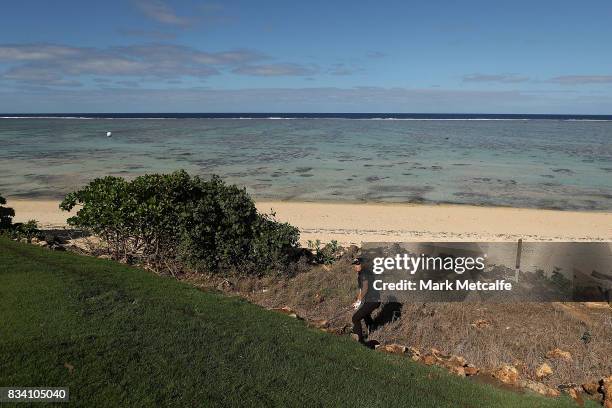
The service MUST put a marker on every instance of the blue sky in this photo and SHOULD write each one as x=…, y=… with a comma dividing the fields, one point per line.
x=315, y=56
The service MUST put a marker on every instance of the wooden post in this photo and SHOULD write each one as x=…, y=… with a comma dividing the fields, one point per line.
x=517, y=269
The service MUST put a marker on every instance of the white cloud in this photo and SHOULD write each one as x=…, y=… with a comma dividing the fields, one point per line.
x=582, y=79
x=329, y=99
x=279, y=69
x=161, y=12
x=40, y=63
x=499, y=78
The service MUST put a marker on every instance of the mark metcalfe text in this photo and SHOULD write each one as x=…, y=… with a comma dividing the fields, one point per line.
x=423, y=263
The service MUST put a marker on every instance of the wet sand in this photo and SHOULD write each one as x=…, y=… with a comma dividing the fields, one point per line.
x=350, y=223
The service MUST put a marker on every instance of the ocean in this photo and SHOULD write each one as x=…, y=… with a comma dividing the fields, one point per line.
x=534, y=161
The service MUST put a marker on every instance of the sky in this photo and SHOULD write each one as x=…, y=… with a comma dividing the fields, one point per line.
x=311, y=56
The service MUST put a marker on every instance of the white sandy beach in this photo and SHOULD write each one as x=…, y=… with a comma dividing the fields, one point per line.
x=350, y=223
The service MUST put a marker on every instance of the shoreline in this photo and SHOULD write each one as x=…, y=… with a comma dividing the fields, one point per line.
x=354, y=223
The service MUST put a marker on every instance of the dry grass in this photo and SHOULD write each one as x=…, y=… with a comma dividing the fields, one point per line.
x=518, y=334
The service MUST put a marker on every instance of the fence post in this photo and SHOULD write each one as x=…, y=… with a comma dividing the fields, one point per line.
x=517, y=269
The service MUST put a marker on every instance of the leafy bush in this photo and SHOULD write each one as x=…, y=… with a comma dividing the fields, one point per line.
x=162, y=218
x=326, y=255
x=6, y=215
x=273, y=242
x=27, y=229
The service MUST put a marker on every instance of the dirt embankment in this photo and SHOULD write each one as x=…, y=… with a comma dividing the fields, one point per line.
x=546, y=347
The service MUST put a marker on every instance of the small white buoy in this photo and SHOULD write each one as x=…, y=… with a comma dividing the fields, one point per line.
x=109, y=134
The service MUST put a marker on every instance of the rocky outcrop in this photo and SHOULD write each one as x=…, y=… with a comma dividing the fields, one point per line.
x=507, y=374
x=414, y=353
x=543, y=371
x=576, y=395
x=392, y=348
x=538, y=387
x=319, y=324
x=559, y=354
x=454, y=364
x=287, y=311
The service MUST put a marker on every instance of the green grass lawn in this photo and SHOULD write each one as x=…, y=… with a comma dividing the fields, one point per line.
x=136, y=339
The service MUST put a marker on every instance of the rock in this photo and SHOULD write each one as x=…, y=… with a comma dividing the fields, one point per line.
x=34, y=240
x=565, y=387
x=51, y=238
x=507, y=374
x=606, y=389
x=319, y=324
x=23, y=240
x=539, y=388
x=481, y=323
x=576, y=395
x=597, y=305
x=438, y=354
x=454, y=364
x=559, y=354
x=319, y=298
x=393, y=348
x=543, y=371
x=330, y=330
x=591, y=388
x=224, y=285
x=457, y=361
x=429, y=359
x=105, y=256
x=470, y=370
x=414, y=353
x=41, y=243
x=288, y=311
x=57, y=247
x=457, y=370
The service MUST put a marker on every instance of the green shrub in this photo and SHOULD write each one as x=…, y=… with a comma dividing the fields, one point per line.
x=327, y=254
x=108, y=210
x=273, y=242
x=27, y=229
x=162, y=218
x=6, y=215
x=218, y=228
x=23, y=230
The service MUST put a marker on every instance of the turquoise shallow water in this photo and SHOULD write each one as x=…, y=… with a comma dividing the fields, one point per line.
x=521, y=163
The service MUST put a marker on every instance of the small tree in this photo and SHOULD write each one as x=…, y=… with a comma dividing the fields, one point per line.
x=6, y=215
x=107, y=211
x=325, y=255
x=175, y=217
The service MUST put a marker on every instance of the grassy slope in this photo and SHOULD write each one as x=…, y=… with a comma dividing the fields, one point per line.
x=138, y=339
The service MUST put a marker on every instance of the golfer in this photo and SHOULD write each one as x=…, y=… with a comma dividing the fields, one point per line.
x=363, y=308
